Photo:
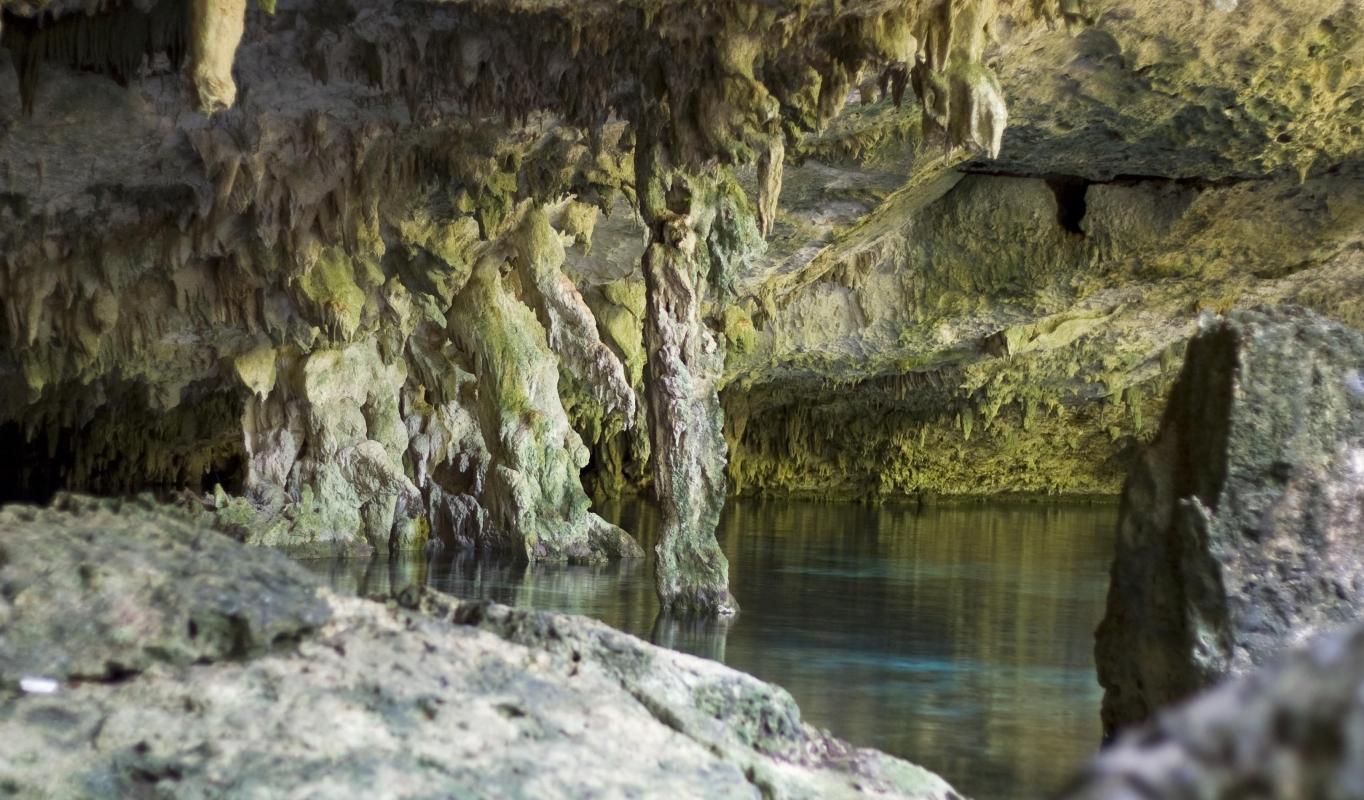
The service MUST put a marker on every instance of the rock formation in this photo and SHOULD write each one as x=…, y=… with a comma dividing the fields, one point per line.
x=347, y=276
x=1242, y=526
x=1288, y=730
x=684, y=365
x=347, y=249
x=275, y=273
x=141, y=655
x=1013, y=325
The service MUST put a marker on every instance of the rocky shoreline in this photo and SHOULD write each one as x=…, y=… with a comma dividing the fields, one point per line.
x=142, y=655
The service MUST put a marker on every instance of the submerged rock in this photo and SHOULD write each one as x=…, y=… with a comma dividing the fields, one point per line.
x=1288, y=731
x=322, y=696
x=1242, y=527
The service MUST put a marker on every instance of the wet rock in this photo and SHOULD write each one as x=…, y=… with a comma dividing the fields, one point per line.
x=1290, y=730
x=423, y=696
x=1242, y=527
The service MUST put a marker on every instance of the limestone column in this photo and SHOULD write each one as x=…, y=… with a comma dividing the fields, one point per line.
x=681, y=386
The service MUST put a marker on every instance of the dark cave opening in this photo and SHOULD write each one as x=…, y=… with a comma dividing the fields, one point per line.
x=127, y=447
x=230, y=473
x=614, y=470
x=32, y=469
x=1071, y=205
x=1071, y=193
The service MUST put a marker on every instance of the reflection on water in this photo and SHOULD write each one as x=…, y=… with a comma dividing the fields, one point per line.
x=958, y=638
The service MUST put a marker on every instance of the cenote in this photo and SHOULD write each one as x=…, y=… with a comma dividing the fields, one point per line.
x=999, y=362
x=958, y=637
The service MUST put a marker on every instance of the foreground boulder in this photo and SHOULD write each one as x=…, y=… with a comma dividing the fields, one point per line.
x=1294, y=730
x=143, y=656
x=116, y=594
x=1242, y=526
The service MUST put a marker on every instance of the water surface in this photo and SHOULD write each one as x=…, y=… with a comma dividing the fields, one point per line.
x=958, y=638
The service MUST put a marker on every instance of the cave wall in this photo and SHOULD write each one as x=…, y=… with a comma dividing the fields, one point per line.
x=985, y=342
x=1013, y=325
x=389, y=290
x=343, y=227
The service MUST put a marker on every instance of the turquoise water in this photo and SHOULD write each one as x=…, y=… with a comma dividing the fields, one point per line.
x=958, y=638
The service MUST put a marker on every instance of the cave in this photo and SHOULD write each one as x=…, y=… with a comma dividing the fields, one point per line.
x=875, y=353
x=1070, y=202
x=33, y=470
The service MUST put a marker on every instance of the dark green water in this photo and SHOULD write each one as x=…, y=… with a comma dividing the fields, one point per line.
x=958, y=638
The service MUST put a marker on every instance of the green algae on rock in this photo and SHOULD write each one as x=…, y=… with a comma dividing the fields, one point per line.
x=292, y=225
x=915, y=356
x=169, y=277
x=683, y=367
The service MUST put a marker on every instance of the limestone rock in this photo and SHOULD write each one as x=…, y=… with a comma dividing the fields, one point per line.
x=873, y=375
x=985, y=334
x=684, y=366
x=154, y=257
x=1289, y=730
x=1242, y=526
x=426, y=696
x=325, y=449
x=530, y=486
x=570, y=327
x=96, y=590
x=216, y=28
x=337, y=203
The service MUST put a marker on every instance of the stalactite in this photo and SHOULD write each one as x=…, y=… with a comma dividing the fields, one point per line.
x=961, y=97
x=216, y=27
x=115, y=42
x=284, y=241
x=770, y=166
x=590, y=369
